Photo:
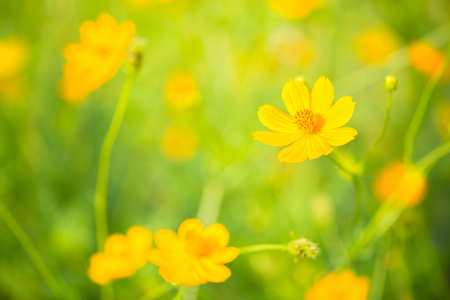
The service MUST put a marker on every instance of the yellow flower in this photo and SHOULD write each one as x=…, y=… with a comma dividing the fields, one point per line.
x=179, y=143
x=426, y=58
x=400, y=183
x=339, y=286
x=195, y=255
x=374, y=46
x=181, y=90
x=295, y=9
x=122, y=257
x=313, y=126
x=97, y=59
x=14, y=55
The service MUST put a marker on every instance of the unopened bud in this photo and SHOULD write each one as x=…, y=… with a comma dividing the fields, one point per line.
x=303, y=248
x=135, y=55
x=390, y=83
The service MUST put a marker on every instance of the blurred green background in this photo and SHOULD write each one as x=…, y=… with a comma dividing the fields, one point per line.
x=240, y=54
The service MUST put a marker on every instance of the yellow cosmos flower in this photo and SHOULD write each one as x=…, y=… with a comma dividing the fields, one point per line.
x=343, y=286
x=97, y=59
x=181, y=90
x=295, y=9
x=374, y=46
x=122, y=257
x=314, y=124
x=179, y=143
x=426, y=58
x=400, y=183
x=195, y=255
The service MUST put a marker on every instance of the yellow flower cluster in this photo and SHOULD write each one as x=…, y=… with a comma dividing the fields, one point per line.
x=122, y=257
x=339, y=286
x=195, y=255
x=97, y=59
x=401, y=184
x=314, y=124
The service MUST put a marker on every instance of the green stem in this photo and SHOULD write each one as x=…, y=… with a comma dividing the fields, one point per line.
x=101, y=217
x=340, y=165
x=426, y=163
x=420, y=112
x=262, y=247
x=180, y=293
x=31, y=250
x=380, y=138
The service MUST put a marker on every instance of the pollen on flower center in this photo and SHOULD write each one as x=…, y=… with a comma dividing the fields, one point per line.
x=305, y=120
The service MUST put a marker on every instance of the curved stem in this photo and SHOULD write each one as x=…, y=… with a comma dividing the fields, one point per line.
x=380, y=138
x=431, y=158
x=262, y=247
x=31, y=250
x=420, y=112
x=339, y=165
x=101, y=218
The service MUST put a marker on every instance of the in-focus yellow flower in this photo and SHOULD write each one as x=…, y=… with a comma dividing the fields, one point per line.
x=442, y=118
x=123, y=255
x=295, y=9
x=399, y=183
x=195, y=255
x=374, y=46
x=426, y=58
x=339, y=286
x=14, y=55
x=181, y=90
x=179, y=143
x=97, y=59
x=313, y=126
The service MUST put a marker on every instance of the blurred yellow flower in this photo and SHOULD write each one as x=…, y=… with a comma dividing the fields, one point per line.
x=426, y=58
x=374, y=46
x=181, y=90
x=14, y=55
x=97, y=59
x=295, y=9
x=339, y=286
x=123, y=255
x=400, y=183
x=146, y=3
x=314, y=124
x=195, y=255
x=442, y=118
x=179, y=143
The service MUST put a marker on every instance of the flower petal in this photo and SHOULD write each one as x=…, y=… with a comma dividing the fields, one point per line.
x=277, y=139
x=318, y=146
x=296, y=96
x=189, y=225
x=338, y=136
x=213, y=272
x=322, y=95
x=218, y=233
x=116, y=244
x=296, y=152
x=167, y=240
x=225, y=255
x=275, y=119
x=340, y=113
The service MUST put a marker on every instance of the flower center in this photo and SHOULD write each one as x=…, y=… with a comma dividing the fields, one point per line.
x=305, y=120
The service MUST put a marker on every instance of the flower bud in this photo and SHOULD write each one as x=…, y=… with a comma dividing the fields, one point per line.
x=390, y=83
x=135, y=55
x=303, y=248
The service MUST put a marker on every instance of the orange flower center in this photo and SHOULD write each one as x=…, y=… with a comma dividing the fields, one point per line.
x=307, y=121
x=197, y=246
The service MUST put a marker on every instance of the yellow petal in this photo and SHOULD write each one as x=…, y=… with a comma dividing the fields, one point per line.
x=296, y=152
x=213, y=272
x=340, y=113
x=277, y=139
x=322, y=95
x=317, y=147
x=139, y=238
x=225, y=256
x=98, y=268
x=218, y=233
x=275, y=119
x=116, y=244
x=125, y=34
x=338, y=136
x=296, y=96
x=167, y=240
x=189, y=225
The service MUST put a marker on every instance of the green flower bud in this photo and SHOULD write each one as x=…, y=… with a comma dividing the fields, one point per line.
x=390, y=83
x=135, y=55
x=303, y=248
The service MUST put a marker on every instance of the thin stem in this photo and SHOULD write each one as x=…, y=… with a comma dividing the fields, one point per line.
x=339, y=165
x=101, y=217
x=31, y=250
x=426, y=163
x=420, y=112
x=380, y=138
x=180, y=293
x=262, y=247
